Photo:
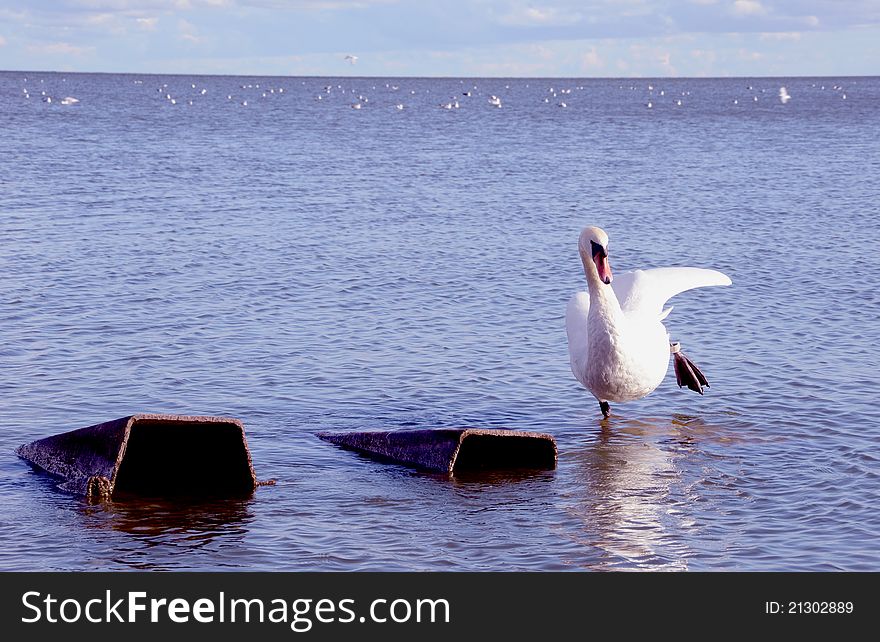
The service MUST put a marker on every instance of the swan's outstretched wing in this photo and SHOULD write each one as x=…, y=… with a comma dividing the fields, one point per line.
x=576, y=328
x=645, y=292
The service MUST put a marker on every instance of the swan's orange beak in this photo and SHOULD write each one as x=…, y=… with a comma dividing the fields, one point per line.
x=600, y=258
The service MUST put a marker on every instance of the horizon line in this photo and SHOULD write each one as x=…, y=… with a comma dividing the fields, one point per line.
x=433, y=77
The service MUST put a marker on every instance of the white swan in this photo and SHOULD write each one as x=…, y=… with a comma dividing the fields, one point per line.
x=617, y=343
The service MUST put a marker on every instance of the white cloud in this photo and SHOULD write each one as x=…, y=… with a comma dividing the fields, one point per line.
x=59, y=49
x=705, y=55
x=105, y=22
x=812, y=21
x=591, y=60
x=508, y=68
x=749, y=56
x=147, y=24
x=782, y=35
x=540, y=17
x=748, y=8
x=313, y=5
x=2, y=41
x=187, y=32
x=151, y=5
x=651, y=60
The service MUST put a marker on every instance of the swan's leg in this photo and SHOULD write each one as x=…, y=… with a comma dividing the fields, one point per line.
x=605, y=407
x=686, y=371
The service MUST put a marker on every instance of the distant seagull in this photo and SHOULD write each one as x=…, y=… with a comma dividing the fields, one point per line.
x=69, y=100
x=356, y=106
x=783, y=95
x=495, y=101
x=399, y=105
x=351, y=59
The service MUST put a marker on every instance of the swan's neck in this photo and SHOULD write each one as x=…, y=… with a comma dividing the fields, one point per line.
x=603, y=302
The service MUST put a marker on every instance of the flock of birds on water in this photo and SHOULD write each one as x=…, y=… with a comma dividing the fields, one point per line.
x=619, y=349
x=249, y=93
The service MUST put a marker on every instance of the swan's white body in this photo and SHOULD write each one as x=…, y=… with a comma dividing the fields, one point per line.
x=617, y=343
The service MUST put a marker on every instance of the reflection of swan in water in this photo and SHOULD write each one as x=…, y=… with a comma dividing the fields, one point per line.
x=637, y=492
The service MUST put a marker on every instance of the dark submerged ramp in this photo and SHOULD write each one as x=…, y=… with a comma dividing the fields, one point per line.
x=455, y=449
x=149, y=454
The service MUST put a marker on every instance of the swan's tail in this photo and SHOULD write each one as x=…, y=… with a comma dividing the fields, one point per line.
x=686, y=371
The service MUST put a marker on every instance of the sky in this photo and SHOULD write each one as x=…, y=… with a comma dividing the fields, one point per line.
x=478, y=38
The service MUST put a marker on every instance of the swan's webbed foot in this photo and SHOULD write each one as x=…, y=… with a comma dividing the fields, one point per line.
x=686, y=371
x=605, y=407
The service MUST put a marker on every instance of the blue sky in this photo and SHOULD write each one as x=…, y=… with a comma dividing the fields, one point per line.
x=586, y=38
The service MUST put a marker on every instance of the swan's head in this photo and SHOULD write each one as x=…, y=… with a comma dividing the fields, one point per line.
x=593, y=247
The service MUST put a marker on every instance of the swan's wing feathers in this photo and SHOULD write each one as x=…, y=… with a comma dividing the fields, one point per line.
x=645, y=292
x=576, y=327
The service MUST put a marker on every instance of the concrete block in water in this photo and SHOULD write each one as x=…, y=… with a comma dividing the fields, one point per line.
x=456, y=449
x=149, y=454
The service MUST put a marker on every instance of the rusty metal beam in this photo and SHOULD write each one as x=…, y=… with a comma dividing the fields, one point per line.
x=149, y=454
x=453, y=449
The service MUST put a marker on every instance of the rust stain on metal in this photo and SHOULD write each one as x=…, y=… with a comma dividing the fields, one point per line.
x=452, y=449
x=149, y=454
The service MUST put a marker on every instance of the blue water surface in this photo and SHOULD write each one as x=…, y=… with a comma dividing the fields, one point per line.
x=306, y=266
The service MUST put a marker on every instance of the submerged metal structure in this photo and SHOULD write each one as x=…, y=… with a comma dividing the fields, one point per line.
x=450, y=450
x=149, y=454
